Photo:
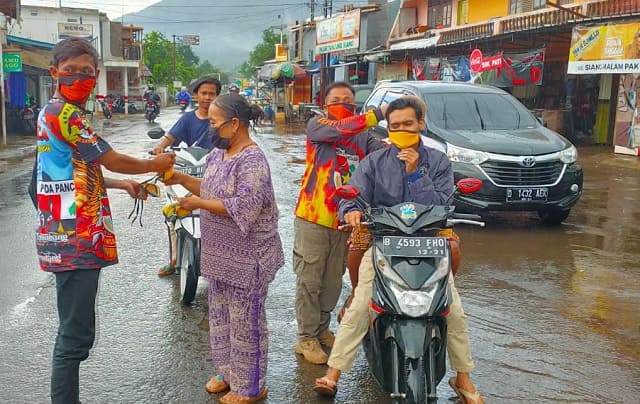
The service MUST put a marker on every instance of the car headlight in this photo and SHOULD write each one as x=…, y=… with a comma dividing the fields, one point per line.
x=569, y=155
x=462, y=155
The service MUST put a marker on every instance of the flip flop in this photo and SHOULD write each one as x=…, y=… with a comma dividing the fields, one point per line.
x=166, y=271
x=233, y=398
x=216, y=385
x=325, y=387
x=465, y=396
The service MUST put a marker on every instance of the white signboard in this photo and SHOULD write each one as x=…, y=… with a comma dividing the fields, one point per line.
x=71, y=29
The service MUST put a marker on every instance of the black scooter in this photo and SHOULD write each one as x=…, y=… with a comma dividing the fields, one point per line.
x=406, y=343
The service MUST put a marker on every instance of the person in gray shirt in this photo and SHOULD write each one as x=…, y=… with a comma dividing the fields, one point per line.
x=406, y=171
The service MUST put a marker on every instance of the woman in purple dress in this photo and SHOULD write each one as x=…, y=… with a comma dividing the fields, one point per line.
x=241, y=249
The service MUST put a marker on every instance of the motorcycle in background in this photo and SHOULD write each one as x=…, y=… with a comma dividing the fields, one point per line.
x=184, y=226
x=28, y=118
x=121, y=102
x=183, y=105
x=406, y=342
x=104, y=105
x=150, y=110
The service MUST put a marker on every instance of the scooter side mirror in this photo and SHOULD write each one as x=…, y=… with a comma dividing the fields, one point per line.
x=347, y=192
x=156, y=133
x=469, y=185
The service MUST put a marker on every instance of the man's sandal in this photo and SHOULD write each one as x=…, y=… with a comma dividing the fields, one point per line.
x=325, y=387
x=465, y=396
x=216, y=385
x=233, y=398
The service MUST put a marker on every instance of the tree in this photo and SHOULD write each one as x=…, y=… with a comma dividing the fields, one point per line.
x=158, y=56
x=207, y=69
x=246, y=70
x=265, y=50
x=156, y=49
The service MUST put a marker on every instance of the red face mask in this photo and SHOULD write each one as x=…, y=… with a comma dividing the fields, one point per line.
x=75, y=88
x=341, y=110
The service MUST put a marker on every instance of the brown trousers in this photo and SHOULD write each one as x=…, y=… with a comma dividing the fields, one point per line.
x=319, y=261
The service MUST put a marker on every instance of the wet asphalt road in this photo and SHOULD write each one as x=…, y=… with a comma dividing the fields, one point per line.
x=552, y=311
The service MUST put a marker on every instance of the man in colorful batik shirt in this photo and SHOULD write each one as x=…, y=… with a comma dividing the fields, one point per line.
x=335, y=145
x=75, y=237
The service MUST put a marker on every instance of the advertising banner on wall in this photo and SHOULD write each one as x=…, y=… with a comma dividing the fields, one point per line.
x=70, y=29
x=338, y=33
x=627, y=127
x=502, y=70
x=607, y=49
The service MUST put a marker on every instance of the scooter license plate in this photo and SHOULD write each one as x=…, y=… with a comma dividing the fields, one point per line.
x=414, y=247
x=197, y=171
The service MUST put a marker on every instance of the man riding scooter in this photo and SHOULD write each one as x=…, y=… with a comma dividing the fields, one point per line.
x=406, y=171
x=193, y=129
x=183, y=99
x=151, y=95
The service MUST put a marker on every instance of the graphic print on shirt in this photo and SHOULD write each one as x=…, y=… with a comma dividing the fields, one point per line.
x=346, y=166
x=75, y=229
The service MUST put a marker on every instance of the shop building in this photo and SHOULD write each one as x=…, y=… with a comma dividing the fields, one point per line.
x=522, y=46
x=119, y=49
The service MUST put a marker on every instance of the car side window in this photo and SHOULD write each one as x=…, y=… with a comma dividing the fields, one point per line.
x=374, y=99
x=391, y=96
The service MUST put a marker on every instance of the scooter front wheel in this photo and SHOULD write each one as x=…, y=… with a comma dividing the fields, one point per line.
x=188, y=270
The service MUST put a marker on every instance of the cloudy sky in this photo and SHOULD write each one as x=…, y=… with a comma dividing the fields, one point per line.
x=113, y=8
x=228, y=29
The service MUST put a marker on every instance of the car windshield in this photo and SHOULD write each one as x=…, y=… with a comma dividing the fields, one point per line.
x=477, y=111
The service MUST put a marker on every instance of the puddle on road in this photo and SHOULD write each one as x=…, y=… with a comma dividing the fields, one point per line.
x=553, y=311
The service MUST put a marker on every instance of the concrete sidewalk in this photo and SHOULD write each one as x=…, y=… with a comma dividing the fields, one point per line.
x=21, y=146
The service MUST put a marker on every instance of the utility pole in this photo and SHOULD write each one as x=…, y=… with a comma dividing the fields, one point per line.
x=313, y=9
x=326, y=57
x=174, y=57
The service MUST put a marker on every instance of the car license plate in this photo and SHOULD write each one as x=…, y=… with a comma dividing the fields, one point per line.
x=414, y=247
x=527, y=194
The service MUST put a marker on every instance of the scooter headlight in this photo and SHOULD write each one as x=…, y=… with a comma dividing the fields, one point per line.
x=413, y=303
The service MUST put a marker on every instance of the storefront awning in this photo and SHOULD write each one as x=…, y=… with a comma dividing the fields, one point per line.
x=29, y=42
x=422, y=43
x=273, y=71
x=34, y=53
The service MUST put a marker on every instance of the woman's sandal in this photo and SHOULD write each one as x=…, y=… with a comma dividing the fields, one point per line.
x=233, y=398
x=465, y=396
x=216, y=385
x=325, y=387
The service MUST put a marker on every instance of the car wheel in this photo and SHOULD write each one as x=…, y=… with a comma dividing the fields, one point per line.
x=553, y=216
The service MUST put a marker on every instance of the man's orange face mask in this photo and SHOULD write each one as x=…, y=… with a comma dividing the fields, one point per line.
x=341, y=110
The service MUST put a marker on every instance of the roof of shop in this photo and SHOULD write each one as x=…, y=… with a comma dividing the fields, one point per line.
x=29, y=42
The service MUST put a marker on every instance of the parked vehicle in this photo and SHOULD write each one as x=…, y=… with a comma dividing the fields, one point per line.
x=106, y=109
x=190, y=160
x=362, y=93
x=488, y=134
x=407, y=338
x=29, y=117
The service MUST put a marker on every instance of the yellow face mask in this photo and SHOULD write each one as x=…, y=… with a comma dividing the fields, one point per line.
x=404, y=139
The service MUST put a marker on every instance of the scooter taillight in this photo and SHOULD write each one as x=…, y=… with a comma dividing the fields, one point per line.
x=375, y=307
x=446, y=312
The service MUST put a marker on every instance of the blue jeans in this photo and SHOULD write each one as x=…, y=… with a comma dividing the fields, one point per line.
x=76, y=298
